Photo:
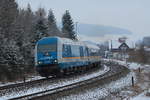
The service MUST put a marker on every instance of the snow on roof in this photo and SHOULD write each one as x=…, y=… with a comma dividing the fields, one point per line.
x=88, y=44
x=65, y=40
x=74, y=42
x=91, y=45
x=69, y=41
x=116, y=44
x=147, y=49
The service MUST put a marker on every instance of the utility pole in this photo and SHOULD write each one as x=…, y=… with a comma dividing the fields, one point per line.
x=76, y=23
x=111, y=45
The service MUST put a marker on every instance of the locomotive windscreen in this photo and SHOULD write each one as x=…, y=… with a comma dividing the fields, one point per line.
x=46, y=48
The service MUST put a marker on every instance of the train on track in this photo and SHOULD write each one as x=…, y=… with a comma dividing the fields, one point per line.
x=55, y=56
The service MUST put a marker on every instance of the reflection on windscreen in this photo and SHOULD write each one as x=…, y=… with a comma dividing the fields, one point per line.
x=46, y=48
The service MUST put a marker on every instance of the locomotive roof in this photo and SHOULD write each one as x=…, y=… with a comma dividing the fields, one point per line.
x=73, y=42
x=91, y=45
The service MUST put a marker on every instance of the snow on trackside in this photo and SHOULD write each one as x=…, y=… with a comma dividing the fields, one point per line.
x=141, y=96
x=117, y=61
x=134, y=65
x=101, y=92
x=130, y=65
x=143, y=79
x=61, y=83
x=27, y=79
x=119, y=89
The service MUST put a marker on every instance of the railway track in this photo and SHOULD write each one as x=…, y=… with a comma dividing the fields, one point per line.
x=11, y=90
x=27, y=83
x=114, y=71
x=20, y=84
x=4, y=90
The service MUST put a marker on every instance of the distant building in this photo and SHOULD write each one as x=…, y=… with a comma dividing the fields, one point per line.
x=146, y=41
x=122, y=51
x=104, y=48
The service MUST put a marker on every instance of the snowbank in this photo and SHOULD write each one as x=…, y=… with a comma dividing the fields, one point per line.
x=141, y=97
x=134, y=65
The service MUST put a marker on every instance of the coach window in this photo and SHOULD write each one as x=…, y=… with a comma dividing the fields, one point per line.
x=87, y=51
x=81, y=52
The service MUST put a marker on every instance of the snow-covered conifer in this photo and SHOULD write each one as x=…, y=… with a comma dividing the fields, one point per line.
x=68, y=26
x=52, y=27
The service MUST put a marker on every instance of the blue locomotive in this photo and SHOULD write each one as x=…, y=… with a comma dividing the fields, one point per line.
x=55, y=56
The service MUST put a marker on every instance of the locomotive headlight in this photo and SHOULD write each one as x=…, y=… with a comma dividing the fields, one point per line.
x=55, y=61
x=39, y=62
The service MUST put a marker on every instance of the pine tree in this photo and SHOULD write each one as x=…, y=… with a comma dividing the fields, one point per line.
x=28, y=22
x=41, y=28
x=52, y=27
x=24, y=34
x=8, y=14
x=40, y=13
x=68, y=26
x=51, y=18
x=10, y=54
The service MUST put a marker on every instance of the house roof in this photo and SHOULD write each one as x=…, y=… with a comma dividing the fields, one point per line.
x=116, y=44
x=124, y=45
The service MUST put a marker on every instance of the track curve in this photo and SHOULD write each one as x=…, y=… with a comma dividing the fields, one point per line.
x=113, y=71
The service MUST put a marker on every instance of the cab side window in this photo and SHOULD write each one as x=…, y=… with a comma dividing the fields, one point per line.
x=66, y=52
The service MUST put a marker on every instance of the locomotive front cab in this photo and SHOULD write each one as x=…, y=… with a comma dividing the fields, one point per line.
x=46, y=56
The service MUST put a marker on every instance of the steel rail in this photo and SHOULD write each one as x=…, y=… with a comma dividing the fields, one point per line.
x=70, y=86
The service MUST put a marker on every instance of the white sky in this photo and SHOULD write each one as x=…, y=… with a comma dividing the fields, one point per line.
x=133, y=15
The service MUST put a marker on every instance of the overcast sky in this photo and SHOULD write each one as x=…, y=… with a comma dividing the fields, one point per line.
x=133, y=15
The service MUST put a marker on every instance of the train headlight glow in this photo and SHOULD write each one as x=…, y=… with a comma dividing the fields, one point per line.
x=39, y=62
x=55, y=61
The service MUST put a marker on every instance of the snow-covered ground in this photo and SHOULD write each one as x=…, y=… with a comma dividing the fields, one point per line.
x=27, y=79
x=141, y=96
x=122, y=86
x=61, y=83
x=142, y=84
x=130, y=65
x=101, y=91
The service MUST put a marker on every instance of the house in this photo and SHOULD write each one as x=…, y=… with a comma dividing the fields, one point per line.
x=121, y=51
x=146, y=42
